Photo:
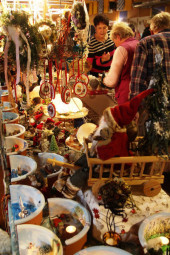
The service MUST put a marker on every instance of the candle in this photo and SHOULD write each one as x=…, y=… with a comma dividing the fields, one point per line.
x=157, y=242
x=111, y=238
x=70, y=229
x=164, y=240
x=111, y=241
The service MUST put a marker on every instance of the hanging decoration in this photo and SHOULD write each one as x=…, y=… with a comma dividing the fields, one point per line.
x=80, y=88
x=46, y=88
x=51, y=110
x=20, y=19
x=78, y=16
x=49, y=35
x=66, y=91
x=72, y=78
x=82, y=77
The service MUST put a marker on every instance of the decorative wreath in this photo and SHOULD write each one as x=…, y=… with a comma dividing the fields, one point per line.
x=20, y=19
x=78, y=16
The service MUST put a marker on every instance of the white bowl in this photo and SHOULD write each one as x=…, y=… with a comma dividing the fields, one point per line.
x=84, y=131
x=43, y=159
x=10, y=117
x=23, y=162
x=152, y=225
x=101, y=249
x=38, y=236
x=12, y=127
x=11, y=141
x=29, y=195
x=57, y=206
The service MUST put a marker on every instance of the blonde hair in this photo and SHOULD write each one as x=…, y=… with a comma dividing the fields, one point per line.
x=160, y=22
x=122, y=29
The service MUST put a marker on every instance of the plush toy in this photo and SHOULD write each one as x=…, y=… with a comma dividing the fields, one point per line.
x=111, y=137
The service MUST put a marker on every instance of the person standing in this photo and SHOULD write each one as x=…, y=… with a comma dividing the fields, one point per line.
x=101, y=47
x=144, y=61
x=146, y=31
x=119, y=75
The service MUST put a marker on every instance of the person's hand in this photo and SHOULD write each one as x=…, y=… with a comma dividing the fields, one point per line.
x=106, y=56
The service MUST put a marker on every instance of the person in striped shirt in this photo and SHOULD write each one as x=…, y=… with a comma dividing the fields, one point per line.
x=101, y=47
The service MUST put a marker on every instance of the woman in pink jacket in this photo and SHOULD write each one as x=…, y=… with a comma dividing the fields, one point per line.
x=119, y=75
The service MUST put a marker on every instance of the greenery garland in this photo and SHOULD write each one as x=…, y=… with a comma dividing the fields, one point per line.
x=21, y=19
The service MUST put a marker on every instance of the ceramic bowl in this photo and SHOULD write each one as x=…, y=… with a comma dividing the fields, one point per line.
x=10, y=128
x=153, y=225
x=31, y=237
x=23, y=162
x=58, y=206
x=11, y=142
x=29, y=195
x=45, y=155
x=10, y=117
x=100, y=250
x=7, y=107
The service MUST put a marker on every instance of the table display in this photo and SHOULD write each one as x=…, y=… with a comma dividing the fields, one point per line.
x=66, y=160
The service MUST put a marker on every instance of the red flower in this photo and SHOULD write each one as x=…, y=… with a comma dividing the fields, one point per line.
x=99, y=197
x=97, y=216
x=16, y=146
x=56, y=221
x=95, y=210
x=125, y=219
x=133, y=211
x=122, y=231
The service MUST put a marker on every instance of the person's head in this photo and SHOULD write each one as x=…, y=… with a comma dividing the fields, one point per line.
x=100, y=19
x=120, y=32
x=132, y=26
x=101, y=24
x=146, y=23
x=160, y=22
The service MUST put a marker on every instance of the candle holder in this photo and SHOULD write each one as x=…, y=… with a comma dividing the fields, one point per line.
x=111, y=238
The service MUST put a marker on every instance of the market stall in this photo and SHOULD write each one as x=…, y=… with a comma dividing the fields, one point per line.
x=58, y=153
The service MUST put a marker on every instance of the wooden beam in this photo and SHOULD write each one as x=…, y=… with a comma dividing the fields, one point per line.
x=106, y=6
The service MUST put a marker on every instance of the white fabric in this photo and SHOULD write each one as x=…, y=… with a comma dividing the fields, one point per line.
x=146, y=206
